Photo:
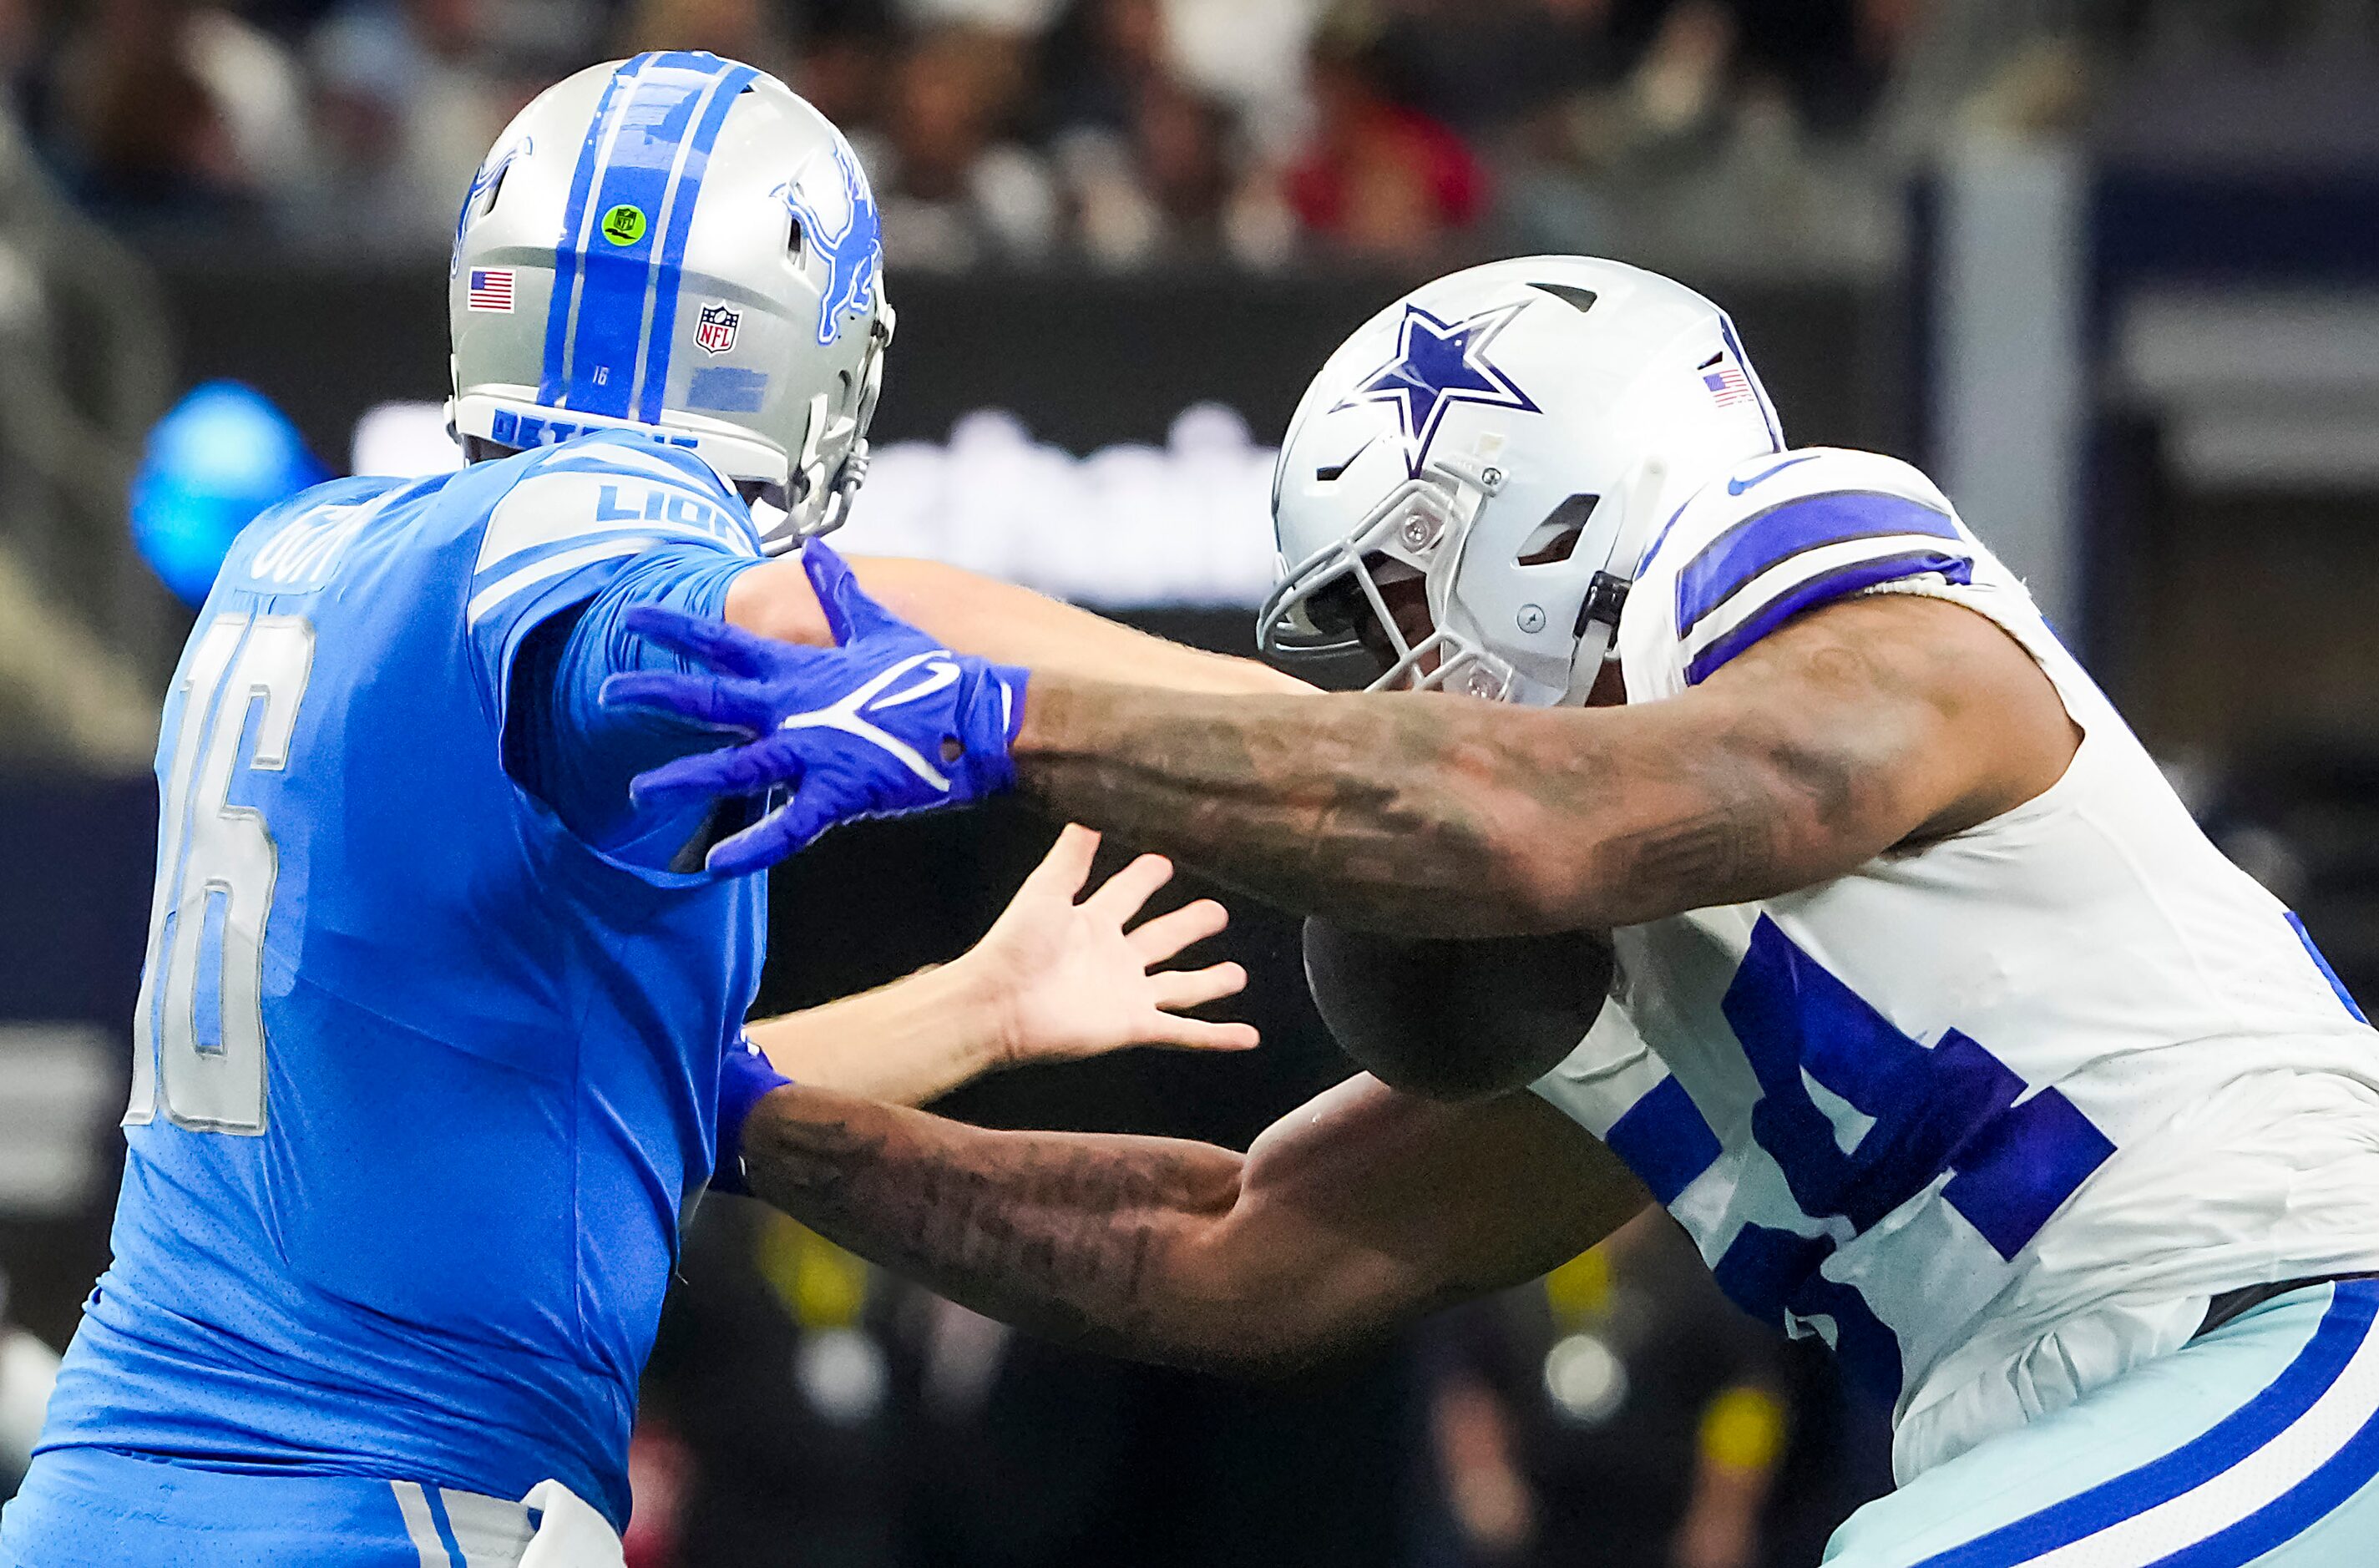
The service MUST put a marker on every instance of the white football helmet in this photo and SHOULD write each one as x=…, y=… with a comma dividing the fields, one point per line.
x=677, y=243
x=1510, y=436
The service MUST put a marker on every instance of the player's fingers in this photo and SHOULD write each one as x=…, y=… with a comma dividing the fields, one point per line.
x=1203, y=1034
x=706, y=699
x=1160, y=938
x=703, y=774
x=828, y=573
x=732, y=771
x=1179, y=988
x=1067, y=866
x=778, y=836
x=1120, y=896
x=757, y=848
x=849, y=612
x=706, y=641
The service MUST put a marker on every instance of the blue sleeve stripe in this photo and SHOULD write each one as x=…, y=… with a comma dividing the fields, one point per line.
x=1665, y=1140
x=1767, y=539
x=1644, y=562
x=2321, y=961
x=1856, y=577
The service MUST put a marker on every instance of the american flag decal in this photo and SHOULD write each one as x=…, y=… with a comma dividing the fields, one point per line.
x=491, y=289
x=1727, y=385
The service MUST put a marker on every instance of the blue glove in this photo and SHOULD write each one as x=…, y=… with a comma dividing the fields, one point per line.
x=745, y=1077
x=885, y=723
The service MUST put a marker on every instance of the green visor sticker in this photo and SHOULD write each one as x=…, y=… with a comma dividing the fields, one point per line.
x=623, y=225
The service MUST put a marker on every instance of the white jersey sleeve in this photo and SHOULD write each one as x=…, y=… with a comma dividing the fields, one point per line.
x=1775, y=537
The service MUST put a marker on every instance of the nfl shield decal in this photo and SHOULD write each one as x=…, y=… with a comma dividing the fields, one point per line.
x=715, y=333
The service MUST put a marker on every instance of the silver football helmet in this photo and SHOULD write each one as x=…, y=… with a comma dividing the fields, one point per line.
x=677, y=243
x=1490, y=454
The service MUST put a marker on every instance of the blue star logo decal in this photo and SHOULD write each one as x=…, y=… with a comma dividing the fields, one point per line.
x=1437, y=364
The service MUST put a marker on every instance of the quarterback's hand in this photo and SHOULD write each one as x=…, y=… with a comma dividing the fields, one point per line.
x=885, y=723
x=1069, y=981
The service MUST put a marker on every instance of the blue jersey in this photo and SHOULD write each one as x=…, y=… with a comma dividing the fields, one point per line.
x=428, y=1063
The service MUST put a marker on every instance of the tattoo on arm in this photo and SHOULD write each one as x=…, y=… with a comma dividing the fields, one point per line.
x=1433, y=814
x=1715, y=848
x=1059, y=1234
x=1309, y=802
x=1428, y=813
x=1354, y=1212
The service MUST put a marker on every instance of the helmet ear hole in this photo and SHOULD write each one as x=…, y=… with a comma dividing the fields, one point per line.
x=1555, y=539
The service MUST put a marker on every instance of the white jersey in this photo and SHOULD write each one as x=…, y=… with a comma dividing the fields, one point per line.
x=1995, y=1118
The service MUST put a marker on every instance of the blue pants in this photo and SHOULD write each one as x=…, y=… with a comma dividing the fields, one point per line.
x=2257, y=1443
x=96, y=1508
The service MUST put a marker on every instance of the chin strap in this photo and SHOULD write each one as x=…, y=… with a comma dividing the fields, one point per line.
x=1598, y=644
x=1606, y=594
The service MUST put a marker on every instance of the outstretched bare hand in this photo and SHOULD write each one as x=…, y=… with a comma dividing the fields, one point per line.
x=1075, y=978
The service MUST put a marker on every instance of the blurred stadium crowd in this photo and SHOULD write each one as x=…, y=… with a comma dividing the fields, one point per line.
x=1120, y=131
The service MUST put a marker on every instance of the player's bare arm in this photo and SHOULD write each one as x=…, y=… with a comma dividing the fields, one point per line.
x=1356, y=1212
x=1876, y=723
x=1932, y=1076
x=1058, y=977
x=996, y=619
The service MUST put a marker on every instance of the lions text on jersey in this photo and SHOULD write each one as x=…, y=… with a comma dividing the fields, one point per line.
x=427, y=1063
x=1996, y=1117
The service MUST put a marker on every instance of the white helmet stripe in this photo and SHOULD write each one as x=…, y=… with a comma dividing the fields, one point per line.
x=577, y=232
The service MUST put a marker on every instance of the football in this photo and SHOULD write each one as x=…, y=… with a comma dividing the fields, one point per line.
x=1456, y=1020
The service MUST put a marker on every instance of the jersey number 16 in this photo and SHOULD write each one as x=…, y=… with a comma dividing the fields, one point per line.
x=198, y=1030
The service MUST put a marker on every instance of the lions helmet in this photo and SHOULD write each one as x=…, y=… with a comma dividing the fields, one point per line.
x=677, y=243
x=1509, y=437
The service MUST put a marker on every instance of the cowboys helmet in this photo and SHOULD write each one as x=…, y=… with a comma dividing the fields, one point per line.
x=1507, y=437
x=680, y=244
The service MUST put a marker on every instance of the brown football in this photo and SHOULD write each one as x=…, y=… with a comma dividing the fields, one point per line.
x=1456, y=1020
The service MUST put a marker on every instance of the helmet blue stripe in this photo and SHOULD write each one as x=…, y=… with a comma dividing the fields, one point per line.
x=565, y=250
x=608, y=342
x=662, y=336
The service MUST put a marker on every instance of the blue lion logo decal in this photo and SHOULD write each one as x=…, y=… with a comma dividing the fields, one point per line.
x=489, y=176
x=839, y=220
